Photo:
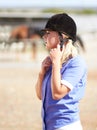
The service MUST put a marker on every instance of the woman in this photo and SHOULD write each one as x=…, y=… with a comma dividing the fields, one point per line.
x=62, y=78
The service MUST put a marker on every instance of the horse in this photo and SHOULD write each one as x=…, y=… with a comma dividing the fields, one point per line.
x=24, y=32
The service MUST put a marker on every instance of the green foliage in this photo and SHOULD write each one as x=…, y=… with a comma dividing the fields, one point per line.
x=53, y=10
x=89, y=11
x=85, y=11
x=75, y=11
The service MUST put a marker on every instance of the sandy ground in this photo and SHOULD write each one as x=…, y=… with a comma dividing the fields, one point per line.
x=19, y=107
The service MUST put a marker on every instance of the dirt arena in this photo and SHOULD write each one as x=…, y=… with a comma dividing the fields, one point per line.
x=19, y=107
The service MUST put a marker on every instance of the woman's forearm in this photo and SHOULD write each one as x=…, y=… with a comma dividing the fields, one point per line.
x=56, y=79
x=39, y=86
x=45, y=66
x=58, y=90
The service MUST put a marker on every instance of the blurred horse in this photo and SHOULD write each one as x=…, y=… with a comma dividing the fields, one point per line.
x=24, y=32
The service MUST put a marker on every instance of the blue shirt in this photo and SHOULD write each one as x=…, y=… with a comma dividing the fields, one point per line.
x=58, y=113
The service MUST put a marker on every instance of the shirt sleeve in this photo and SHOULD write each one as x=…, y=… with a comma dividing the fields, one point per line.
x=73, y=73
x=64, y=82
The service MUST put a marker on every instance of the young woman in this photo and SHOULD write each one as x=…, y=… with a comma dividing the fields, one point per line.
x=62, y=78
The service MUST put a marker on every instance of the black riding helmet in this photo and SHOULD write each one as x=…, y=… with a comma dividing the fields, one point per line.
x=62, y=23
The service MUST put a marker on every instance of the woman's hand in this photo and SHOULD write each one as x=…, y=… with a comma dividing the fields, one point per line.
x=56, y=54
x=45, y=65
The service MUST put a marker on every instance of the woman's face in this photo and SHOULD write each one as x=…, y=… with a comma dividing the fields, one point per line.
x=51, y=39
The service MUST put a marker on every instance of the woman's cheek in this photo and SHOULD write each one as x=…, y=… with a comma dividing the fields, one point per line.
x=53, y=43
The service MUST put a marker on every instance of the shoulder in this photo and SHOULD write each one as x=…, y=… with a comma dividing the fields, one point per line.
x=76, y=62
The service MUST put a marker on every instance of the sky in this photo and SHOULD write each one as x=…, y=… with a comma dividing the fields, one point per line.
x=47, y=3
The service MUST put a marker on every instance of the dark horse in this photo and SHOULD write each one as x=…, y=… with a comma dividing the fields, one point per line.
x=25, y=32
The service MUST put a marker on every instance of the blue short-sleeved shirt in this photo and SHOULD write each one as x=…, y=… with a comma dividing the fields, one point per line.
x=58, y=113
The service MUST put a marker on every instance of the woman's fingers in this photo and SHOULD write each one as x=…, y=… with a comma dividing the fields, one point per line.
x=47, y=62
x=58, y=47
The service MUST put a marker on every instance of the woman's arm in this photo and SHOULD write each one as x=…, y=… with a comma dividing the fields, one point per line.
x=39, y=85
x=44, y=67
x=58, y=90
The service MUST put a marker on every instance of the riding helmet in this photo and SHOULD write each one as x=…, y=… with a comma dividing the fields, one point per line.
x=62, y=23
